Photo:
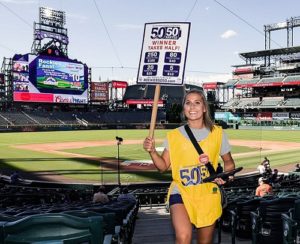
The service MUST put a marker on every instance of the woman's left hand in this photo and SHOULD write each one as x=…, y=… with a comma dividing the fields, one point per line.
x=219, y=181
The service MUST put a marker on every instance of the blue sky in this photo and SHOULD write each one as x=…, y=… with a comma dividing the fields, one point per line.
x=216, y=37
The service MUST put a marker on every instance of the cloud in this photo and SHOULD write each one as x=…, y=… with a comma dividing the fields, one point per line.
x=228, y=34
x=20, y=1
x=130, y=27
x=207, y=8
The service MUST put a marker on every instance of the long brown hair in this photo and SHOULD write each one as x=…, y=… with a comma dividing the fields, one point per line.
x=208, y=123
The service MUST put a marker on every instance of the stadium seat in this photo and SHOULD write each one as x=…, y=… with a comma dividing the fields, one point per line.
x=267, y=222
x=109, y=219
x=291, y=224
x=54, y=228
x=8, y=218
x=240, y=218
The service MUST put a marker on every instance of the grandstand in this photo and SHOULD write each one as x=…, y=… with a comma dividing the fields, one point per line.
x=267, y=83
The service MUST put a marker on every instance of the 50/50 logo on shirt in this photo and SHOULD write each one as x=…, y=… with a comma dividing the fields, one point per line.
x=193, y=175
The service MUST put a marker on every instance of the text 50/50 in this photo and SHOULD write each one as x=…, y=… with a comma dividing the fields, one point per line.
x=165, y=32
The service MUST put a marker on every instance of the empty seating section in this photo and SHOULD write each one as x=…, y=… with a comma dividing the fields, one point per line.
x=295, y=78
x=266, y=102
x=247, y=102
x=135, y=92
x=292, y=102
x=231, y=103
x=271, y=80
x=4, y=121
x=231, y=83
x=172, y=91
x=247, y=81
x=36, y=214
x=271, y=101
x=17, y=118
x=91, y=117
x=41, y=117
x=57, y=215
x=66, y=117
x=149, y=92
x=140, y=116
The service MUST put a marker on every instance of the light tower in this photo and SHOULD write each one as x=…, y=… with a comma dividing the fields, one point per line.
x=49, y=33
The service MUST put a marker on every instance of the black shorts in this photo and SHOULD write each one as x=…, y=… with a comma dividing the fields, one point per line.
x=175, y=199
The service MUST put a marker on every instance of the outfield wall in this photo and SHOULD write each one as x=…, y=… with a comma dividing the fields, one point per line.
x=111, y=126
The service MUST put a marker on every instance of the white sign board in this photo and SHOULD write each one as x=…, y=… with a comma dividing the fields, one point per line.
x=164, y=53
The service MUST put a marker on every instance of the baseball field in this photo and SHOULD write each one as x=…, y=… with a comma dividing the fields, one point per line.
x=92, y=155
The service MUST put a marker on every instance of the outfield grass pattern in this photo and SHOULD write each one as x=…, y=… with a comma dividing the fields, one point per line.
x=80, y=168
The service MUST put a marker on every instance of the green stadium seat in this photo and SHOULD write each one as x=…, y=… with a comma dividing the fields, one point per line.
x=267, y=221
x=54, y=228
x=109, y=222
x=291, y=224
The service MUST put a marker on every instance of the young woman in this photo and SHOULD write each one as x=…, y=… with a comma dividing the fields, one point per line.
x=191, y=201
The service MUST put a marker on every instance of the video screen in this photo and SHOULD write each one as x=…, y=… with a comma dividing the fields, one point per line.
x=53, y=74
x=49, y=79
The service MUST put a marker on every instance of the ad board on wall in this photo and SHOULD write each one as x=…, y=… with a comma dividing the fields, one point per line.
x=99, y=91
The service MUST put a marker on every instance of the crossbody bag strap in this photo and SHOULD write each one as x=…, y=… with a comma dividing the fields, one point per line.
x=209, y=167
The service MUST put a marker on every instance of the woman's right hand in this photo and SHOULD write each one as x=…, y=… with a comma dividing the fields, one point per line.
x=149, y=144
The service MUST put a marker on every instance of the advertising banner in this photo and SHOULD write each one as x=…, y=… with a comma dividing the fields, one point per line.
x=295, y=115
x=99, y=91
x=280, y=116
x=210, y=85
x=264, y=116
x=119, y=84
x=249, y=116
x=243, y=76
x=164, y=52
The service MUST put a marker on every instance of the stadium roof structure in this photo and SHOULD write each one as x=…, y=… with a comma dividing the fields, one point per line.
x=260, y=55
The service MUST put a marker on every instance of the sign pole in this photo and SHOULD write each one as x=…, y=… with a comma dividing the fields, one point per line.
x=154, y=110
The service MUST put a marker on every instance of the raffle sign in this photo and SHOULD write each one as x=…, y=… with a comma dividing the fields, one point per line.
x=163, y=54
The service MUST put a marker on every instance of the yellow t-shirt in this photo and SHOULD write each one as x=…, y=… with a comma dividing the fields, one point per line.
x=201, y=200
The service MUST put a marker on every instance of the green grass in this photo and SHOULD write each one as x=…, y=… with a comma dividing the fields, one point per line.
x=265, y=135
x=89, y=169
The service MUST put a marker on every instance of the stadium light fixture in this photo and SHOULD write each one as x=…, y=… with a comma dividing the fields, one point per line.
x=52, y=17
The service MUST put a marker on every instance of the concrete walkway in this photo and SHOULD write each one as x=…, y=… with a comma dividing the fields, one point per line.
x=153, y=226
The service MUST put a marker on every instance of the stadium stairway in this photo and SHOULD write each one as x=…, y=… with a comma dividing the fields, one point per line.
x=153, y=225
